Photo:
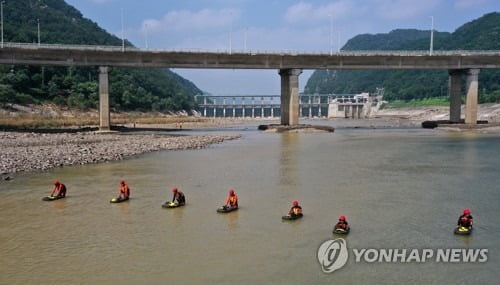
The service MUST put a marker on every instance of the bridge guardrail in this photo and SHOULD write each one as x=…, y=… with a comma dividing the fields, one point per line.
x=256, y=52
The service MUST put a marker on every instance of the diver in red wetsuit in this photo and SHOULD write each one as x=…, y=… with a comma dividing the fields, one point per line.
x=465, y=220
x=124, y=192
x=296, y=210
x=59, y=190
x=342, y=224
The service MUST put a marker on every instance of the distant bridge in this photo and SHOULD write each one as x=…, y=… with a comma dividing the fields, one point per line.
x=289, y=64
x=311, y=105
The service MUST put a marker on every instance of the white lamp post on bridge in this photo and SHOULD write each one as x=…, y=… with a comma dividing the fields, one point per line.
x=230, y=32
x=245, y=40
x=338, y=41
x=431, y=48
x=146, y=31
x=1, y=13
x=38, y=22
x=123, y=33
x=331, y=34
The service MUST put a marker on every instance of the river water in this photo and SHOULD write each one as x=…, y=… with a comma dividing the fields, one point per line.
x=399, y=188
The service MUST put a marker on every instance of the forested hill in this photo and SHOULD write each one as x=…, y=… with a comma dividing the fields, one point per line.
x=60, y=23
x=480, y=34
x=396, y=39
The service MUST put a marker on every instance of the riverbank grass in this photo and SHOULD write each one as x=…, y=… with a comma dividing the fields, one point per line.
x=28, y=121
x=427, y=102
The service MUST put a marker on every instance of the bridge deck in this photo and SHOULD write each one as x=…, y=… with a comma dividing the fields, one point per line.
x=72, y=55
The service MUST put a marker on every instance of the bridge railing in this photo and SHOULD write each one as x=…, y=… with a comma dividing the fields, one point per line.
x=304, y=99
x=254, y=52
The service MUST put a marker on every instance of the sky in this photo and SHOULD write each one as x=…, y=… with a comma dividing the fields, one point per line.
x=271, y=25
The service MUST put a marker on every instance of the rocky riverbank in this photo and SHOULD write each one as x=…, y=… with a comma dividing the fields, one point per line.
x=32, y=151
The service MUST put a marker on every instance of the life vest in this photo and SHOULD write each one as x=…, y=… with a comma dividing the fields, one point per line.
x=181, y=199
x=125, y=190
x=62, y=190
x=341, y=224
x=296, y=210
x=465, y=220
x=233, y=201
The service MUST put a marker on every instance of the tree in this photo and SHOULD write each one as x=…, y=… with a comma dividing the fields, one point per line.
x=130, y=89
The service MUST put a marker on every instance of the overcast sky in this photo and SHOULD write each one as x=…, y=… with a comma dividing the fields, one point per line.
x=268, y=25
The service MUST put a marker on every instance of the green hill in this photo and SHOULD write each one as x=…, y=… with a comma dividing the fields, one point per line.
x=480, y=34
x=130, y=89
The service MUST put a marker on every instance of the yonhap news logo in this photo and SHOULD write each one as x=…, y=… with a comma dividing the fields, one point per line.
x=333, y=255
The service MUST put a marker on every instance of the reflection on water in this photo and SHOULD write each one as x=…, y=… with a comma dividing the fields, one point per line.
x=288, y=159
x=233, y=221
x=465, y=240
x=398, y=189
x=176, y=216
x=59, y=204
x=124, y=208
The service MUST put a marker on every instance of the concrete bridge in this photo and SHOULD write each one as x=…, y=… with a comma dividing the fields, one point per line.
x=289, y=65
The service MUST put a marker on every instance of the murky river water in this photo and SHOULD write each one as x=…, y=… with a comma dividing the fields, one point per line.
x=400, y=188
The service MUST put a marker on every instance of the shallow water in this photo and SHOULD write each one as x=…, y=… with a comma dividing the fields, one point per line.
x=399, y=188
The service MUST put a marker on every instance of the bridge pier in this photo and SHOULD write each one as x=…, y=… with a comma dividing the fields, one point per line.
x=253, y=107
x=104, y=118
x=290, y=96
x=455, y=93
x=472, y=96
x=205, y=108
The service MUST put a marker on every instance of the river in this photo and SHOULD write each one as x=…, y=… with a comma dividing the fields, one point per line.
x=399, y=188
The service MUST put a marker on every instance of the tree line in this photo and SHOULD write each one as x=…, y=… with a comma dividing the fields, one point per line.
x=130, y=89
x=480, y=34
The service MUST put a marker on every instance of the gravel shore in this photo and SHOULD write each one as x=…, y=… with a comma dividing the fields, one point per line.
x=32, y=151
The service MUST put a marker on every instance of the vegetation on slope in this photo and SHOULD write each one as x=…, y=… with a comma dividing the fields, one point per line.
x=130, y=89
x=480, y=34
